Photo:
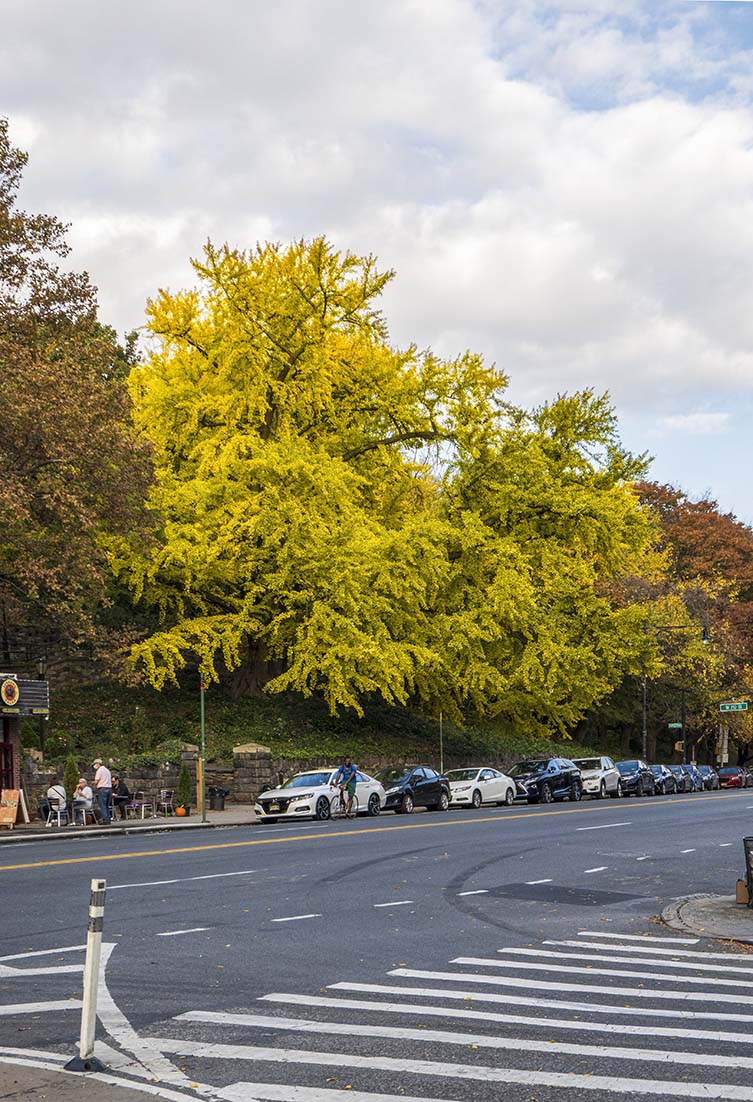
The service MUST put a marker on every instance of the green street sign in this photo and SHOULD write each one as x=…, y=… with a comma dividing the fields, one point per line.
x=675, y=726
x=734, y=706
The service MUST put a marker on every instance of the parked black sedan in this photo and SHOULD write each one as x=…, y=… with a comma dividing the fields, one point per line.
x=542, y=780
x=637, y=778
x=684, y=783
x=696, y=780
x=411, y=786
x=710, y=777
x=664, y=780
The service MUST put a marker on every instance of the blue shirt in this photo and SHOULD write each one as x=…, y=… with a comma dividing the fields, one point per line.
x=346, y=773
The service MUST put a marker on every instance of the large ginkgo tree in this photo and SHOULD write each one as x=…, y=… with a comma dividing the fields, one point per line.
x=342, y=517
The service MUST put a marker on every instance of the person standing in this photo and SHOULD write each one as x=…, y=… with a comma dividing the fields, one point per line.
x=103, y=785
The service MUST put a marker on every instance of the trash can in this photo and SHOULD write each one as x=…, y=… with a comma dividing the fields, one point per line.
x=217, y=797
x=748, y=846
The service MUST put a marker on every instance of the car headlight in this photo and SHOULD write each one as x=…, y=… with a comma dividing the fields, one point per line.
x=462, y=788
x=391, y=791
x=303, y=796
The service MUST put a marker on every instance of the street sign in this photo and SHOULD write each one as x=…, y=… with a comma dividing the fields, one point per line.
x=734, y=706
x=675, y=726
x=678, y=746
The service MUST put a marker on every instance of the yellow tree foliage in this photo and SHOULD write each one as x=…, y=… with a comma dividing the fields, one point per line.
x=345, y=518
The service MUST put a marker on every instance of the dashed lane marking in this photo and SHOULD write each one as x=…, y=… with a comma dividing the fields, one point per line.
x=177, y=933
x=295, y=918
x=319, y=837
x=396, y=903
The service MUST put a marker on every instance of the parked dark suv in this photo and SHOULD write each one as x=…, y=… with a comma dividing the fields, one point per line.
x=546, y=779
x=409, y=786
x=637, y=778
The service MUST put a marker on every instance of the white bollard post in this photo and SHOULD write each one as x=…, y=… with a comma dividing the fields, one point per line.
x=86, y=1060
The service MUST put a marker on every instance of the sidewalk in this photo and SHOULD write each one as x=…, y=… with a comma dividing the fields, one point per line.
x=47, y=1083
x=715, y=916
x=36, y=831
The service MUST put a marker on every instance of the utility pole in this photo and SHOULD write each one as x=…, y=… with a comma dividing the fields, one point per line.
x=682, y=720
x=203, y=783
x=645, y=719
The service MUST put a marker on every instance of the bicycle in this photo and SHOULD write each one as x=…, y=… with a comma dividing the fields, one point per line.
x=339, y=805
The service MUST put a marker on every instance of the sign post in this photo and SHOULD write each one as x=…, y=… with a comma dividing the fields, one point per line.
x=203, y=783
x=86, y=1060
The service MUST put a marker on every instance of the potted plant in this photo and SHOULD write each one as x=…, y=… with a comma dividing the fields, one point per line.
x=183, y=791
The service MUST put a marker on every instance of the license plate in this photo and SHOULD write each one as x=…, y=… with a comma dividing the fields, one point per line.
x=274, y=807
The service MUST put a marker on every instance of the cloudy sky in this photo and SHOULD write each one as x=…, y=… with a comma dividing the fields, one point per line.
x=565, y=187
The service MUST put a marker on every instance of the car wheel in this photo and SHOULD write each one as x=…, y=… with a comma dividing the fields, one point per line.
x=576, y=793
x=546, y=794
x=617, y=792
x=444, y=802
x=652, y=790
x=476, y=799
x=603, y=790
x=407, y=805
x=374, y=806
x=639, y=789
x=323, y=809
x=509, y=798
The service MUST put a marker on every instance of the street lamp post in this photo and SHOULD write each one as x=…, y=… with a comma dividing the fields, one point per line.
x=645, y=719
x=41, y=675
x=203, y=785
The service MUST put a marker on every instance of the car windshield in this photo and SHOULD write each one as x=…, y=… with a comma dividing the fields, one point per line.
x=675, y=768
x=656, y=770
x=704, y=768
x=627, y=766
x=523, y=768
x=588, y=763
x=729, y=772
x=307, y=780
x=461, y=774
x=393, y=776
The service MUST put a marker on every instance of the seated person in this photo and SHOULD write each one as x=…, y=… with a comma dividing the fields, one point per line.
x=56, y=798
x=83, y=797
x=121, y=795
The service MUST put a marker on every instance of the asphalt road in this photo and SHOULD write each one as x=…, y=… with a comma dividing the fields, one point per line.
x=451, y=956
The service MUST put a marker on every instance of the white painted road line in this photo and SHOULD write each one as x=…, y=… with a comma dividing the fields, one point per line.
x=475, y=1015
x=296, y=918
x=640, y=937
x=693, y=964
x=599, y=868
x=443, y=1070
x=180, y=880
x=479, y=1040
x=626, y=973
x=19, y=973
x=45, y=952
x=176, y=933
x=397, y=903
x=722, y=845
x=40, y=1008
x=287, y=1092
x=604, y=826
x=655, y=952
x=548, y=881
x=478, y=891
x=648, y=858
x=584, y=988
x=468, y=995
x=687, y=851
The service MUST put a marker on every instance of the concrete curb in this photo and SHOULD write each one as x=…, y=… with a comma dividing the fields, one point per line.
x=710, y=916
x=21, y=836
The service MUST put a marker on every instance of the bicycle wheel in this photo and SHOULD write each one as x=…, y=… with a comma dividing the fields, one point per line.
x=337, y=807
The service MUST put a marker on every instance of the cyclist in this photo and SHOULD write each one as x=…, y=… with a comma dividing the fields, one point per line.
x=345, y=780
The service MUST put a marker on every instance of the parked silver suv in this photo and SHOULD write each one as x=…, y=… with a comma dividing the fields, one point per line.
x=601, y=777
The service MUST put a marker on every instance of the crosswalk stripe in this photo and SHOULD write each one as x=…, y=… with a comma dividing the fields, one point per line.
x=639, y=937
x=479, y=1073
x=689, y=964
x=9, y=973
x=288, y=1092
x=576, y=1025
x=627, y=973
x=480, y=1040
x=514, y=981
x=652, y=951
x=44, y=952
x=506, y=997
x=40, y=1008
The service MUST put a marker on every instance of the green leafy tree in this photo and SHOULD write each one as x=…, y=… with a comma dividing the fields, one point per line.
x=70, y=776
x=344, y=518
x=184, y=790
x=73, y=471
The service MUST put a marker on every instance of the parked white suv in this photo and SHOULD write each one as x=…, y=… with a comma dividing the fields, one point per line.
x=601, y=777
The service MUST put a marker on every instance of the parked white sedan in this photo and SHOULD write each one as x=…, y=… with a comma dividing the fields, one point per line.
x=474, y=787
x=601, y=777
x=310, y=795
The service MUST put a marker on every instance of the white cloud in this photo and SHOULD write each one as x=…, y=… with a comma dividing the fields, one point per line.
x=566, y=187
x=698, y=424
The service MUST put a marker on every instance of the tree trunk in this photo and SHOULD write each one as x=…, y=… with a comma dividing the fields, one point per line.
x=254, y=672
